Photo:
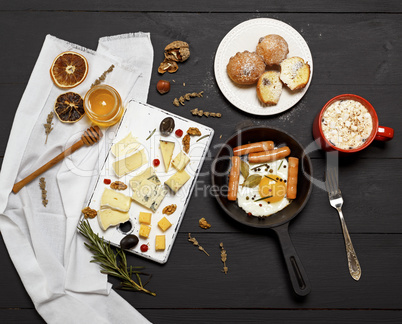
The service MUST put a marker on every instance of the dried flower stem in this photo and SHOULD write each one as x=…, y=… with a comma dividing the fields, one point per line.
x=48, y=125
x=195, y=242
x=103, y=76
x=224, y=258
x=42, y=186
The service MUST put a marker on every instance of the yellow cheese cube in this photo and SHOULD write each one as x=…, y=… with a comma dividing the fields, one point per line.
x=145, y=218
x=164, y=224
x=144, y=231
x=159, y=242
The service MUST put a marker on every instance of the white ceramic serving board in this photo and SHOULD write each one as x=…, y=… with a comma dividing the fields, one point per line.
x=141, y=119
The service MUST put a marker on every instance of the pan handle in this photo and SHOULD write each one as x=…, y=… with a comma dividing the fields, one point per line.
x=298, y=276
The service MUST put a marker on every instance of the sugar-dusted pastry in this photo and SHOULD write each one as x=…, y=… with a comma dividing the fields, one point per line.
x=269, y=87
x=295, y=73
x=245, y=67
x=273, y=49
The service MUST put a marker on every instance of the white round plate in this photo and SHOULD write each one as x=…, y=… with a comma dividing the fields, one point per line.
x=245, y=36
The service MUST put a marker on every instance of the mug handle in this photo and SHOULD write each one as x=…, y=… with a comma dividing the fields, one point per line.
x=384, y=134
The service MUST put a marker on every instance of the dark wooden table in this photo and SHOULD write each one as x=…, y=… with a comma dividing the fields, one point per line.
x=356, y=47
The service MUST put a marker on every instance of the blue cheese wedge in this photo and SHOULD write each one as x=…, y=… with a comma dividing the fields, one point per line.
x=109, y=217
x=130, y=163
x=176, y=181
x=115, y=200
x=149, y=194
x=180, y=161
x=125, y=146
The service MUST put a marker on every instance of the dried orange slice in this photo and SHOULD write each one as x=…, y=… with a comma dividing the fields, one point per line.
x=69, y=69
x=69, y=107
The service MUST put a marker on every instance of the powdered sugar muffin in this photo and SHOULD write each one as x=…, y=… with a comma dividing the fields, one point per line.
x=269, y=87
x=273, y=49
x=245, y=67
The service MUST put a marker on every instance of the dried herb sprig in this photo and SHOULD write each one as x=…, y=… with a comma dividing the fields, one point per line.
x=150, y=135
x=42, y=186
x=103, y=76
x=109, y=261
x=48, y=125
x=266, y=197
x=224, y=257
x=195, y=242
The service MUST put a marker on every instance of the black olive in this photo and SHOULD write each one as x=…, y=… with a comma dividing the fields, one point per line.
x=167, y=126
x=129, y=241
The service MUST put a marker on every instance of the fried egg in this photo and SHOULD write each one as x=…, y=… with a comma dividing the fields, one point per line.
x=269, y=196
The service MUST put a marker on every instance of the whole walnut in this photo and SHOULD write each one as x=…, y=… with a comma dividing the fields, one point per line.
x=177, y=51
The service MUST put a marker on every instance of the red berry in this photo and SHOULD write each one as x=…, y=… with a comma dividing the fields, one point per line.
x=144, y=248
x=156, y=162
x=107, y=181
x=179, y=133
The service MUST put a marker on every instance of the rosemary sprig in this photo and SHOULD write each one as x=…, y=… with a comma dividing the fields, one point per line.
x=271, y=178
x=109, y=263
x=153, y=132
x=259, y=166
x=202, y=137
x=266, y=197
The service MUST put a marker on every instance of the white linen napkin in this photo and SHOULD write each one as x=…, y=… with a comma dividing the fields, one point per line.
x=43, y=242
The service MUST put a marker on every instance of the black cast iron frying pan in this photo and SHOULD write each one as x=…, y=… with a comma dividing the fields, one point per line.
x=278, y=222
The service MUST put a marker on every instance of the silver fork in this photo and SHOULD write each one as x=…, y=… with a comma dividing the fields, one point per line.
x=336, y=201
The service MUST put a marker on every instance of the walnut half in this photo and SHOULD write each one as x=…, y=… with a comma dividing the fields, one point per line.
x=169, y=66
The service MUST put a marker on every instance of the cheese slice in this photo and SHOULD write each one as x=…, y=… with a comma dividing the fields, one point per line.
x=148, y=174
x=176, y=181
x=130, y=163
x=109, y=217
x=167, y=149
x=125, y=146
x=149, y=194
x=180, y=161
x=115, y=200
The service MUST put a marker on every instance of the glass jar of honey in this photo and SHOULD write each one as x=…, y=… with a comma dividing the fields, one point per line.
x=103, y=105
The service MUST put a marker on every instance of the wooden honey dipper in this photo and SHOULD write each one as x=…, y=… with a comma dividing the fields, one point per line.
x=90, y=136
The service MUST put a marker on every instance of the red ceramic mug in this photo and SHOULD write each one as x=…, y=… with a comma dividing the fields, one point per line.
x=379, y=133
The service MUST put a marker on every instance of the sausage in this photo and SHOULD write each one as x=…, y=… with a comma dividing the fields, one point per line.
x=269, y=156
x=253, y=148
x=234, y=178
x=293, y=170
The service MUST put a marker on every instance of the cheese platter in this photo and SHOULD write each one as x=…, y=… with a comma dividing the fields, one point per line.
x=147, y=179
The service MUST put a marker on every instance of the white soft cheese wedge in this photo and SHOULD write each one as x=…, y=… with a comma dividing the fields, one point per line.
x=130, y=163
x=180, y=161
x=115, y=200
x=176, y=181
x=167, y=149
x=109, y=217
x=125, y=146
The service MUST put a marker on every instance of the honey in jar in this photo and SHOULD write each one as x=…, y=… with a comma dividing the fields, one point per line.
x=103, y=105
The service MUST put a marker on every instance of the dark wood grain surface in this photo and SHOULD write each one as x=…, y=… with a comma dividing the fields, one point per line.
x=356, y=48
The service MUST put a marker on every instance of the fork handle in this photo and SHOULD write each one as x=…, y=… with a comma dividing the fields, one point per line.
x=353, y=263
